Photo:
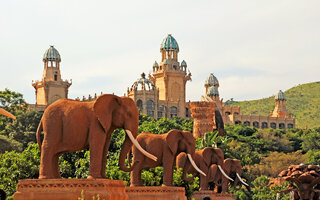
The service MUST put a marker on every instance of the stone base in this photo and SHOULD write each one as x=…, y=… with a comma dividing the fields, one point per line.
x=199, y=195
x=49, y=189
x=156, y=193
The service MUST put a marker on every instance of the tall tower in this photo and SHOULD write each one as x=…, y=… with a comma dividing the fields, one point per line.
x=170, y=78
x=280, y=109
x=51, y=87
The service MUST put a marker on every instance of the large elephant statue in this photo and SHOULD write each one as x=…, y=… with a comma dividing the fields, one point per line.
x=6, y=113
x=165, y=147
x=204, y=159
x=230, y=166
x=71, y=125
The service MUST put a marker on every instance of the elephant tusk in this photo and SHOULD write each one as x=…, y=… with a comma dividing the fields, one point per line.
x=195, y=166
x=241, y=180
x=136, y=144
x=224, y=174
x=6, y=113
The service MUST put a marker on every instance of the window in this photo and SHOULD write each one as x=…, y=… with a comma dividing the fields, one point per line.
x=227, y=113
x=238, y=122
x=150, y=108
x=264, y=125
x=160, y=111
x=273, y=125
x=281, y=126
x=140, y=105
x=173, y=112
x=55, y=77
x=290, y=125
x=256, y=124
x=247, y=123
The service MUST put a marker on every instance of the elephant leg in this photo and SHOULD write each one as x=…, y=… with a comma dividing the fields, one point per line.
x=225, y=182
x=104, y=160
x=203, y=182
x=97, y=149
x=56, y=165
x=136, y=176
x=168, y=171
x=47, y=164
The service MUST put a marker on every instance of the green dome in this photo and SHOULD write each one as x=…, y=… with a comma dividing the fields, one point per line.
x=213, y=91
x=211, y=80
x=51, y=54
x=142, y=83
x=169, y=43
x=280, y=96
x=183, y=63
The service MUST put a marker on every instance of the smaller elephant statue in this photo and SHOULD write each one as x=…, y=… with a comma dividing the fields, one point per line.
x=204, y=159
x=6, y=113
x=165, y=147
x=70, y=126
x=230, y=166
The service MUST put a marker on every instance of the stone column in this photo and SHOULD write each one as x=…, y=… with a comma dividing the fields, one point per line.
x=202, y=114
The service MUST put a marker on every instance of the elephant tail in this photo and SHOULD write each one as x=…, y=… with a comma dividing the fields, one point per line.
x=38, y=134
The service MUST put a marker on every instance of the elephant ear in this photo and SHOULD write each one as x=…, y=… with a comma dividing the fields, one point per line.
x=104, y=107
x=173, y=139
x=207, y=154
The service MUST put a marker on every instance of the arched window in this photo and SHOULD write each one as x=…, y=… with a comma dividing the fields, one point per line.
x=256, y=124
x=236, y=113
x=140, y=105
x=238, y=122
x=150, y=108
x=273, y=125
x=160, y=111
x=281, y=126
x=227, y=113
x=247, y=123
x=264, y=125
x=173, y=112
x=290, y=125
x=55, y=77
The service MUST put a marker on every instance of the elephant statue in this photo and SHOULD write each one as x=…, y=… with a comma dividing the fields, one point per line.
x=230, y=166
x=204, y=159
x=165, y=147
x=71, y=125
x=6, y=113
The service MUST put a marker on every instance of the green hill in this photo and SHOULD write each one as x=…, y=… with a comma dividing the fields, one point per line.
x=303, y=102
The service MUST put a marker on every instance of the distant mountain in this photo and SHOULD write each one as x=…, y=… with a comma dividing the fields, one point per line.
x=303, y=101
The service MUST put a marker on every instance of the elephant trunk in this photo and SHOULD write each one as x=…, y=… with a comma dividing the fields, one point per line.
x=124, y=151
x=126, y=148
x=185, y=177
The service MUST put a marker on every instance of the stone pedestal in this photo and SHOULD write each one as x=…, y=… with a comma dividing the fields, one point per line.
x=156, y=193
x=203, y=115
x=200, y=195
x=54, y=189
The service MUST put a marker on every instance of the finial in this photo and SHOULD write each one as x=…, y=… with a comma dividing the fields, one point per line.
x=143, y=75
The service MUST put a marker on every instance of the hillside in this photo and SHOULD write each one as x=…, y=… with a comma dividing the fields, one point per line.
x=303, y=102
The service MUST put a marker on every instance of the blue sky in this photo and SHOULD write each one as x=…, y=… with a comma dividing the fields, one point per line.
x=254, y=48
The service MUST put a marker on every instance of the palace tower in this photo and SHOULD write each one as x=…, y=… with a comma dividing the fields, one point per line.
x=51, y=87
